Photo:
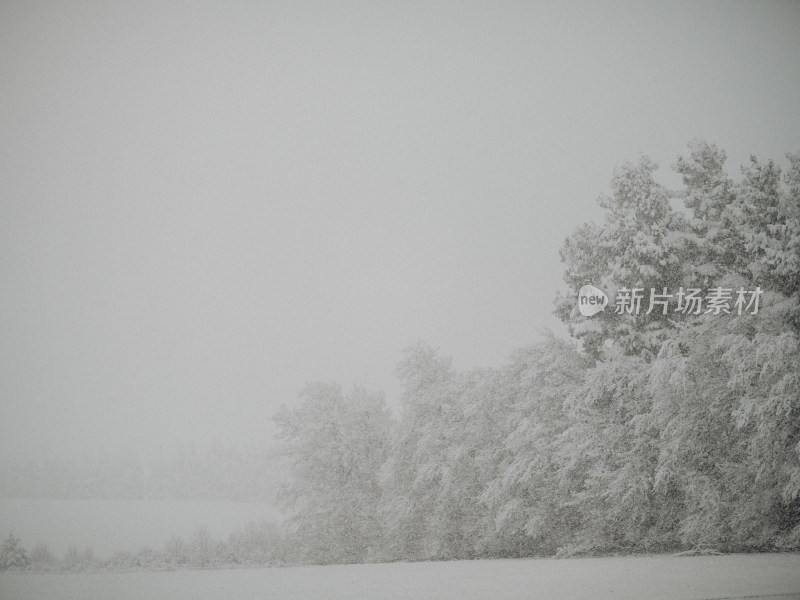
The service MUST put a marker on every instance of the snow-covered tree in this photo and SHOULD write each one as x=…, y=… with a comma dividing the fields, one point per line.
x=335, y=445
x=532, y=512
x=641, y=245
x=13, y=555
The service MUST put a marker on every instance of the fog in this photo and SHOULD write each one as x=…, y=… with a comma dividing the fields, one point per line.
x=204, y=207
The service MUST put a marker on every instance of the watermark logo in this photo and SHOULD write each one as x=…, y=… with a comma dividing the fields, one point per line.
x=687, y=301
x=591, y=300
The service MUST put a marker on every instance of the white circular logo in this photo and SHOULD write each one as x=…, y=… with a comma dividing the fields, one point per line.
x=591, y=300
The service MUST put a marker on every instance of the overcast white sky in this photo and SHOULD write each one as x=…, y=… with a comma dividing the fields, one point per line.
x=205, y=205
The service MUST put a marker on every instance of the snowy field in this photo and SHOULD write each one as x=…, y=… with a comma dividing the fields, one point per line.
x=773, y=576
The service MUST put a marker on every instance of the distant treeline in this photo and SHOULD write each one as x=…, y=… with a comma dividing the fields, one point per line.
x=655, y=430
x=258, y=544
x=224, y=473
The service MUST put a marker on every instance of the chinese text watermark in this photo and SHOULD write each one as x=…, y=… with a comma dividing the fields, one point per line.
x=687, y=301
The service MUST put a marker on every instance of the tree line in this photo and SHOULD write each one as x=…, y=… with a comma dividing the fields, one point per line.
x=256, y=545
x=648, y=431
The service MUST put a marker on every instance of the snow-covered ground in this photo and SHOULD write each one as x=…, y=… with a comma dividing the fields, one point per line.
x=776, y=576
